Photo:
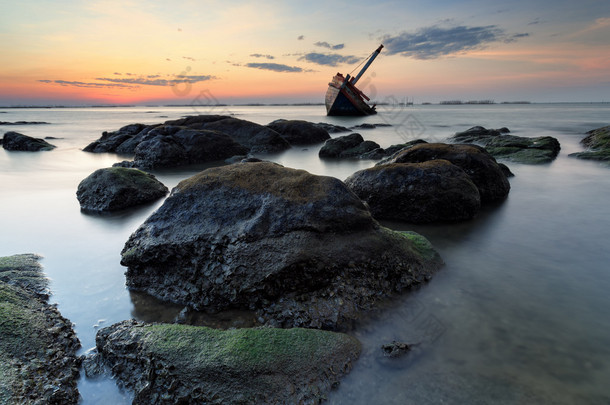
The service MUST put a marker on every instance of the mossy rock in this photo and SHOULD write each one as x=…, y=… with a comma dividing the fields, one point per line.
x=170, y=363
x=38, y=362
x=117, y=188
x=598, y=142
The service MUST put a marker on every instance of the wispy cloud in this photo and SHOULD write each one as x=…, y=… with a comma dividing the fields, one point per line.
x=329, y=59
x=276, y=67
x=325, y=44
x=301, y=37
x=259, y=55
x=134, y=81
x=85, y=84
x=434, y=42
x=155, y=81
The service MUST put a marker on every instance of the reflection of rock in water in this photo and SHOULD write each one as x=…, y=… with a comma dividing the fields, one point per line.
x=150, y=309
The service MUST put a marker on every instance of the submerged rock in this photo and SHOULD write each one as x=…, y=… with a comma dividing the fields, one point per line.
x=298, y=132
x=38, y=362
x=478, y=164
x=118, y=188
x=348, y=146
x=598, y=143
x=15, y=141
x=431, y=191
x=520, y=149
x=300, y=249
x=171, y=364
x=331, y=128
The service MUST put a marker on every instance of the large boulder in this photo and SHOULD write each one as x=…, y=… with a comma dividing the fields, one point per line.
x=18, y=142
x=38, y=347
x=542, y=149
x=201, y=133
x=598, y=143
x=172, y=146
x=175, y=364
x=257, y=138
x=298, y=132
x=300, y=249
x=431, y=191
x=117, y=188
x=478, y=164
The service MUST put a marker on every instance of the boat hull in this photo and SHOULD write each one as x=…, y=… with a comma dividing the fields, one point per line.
x=343, y=98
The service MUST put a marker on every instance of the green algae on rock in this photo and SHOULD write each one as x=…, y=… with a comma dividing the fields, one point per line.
x=598, y=143
x=170, y=363
x=38, y=362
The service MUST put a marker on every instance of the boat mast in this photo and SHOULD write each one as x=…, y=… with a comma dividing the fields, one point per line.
x=365, y=67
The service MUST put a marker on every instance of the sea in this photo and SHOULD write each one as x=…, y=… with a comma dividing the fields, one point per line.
x=519, y=313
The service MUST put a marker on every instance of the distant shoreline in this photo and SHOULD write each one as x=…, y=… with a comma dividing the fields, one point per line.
x=441, y=103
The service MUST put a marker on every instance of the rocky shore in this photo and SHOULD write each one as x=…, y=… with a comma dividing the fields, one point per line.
x=38, y=362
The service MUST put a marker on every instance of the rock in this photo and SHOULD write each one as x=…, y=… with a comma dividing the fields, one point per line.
x=171, y=364
x=477, y=134
x=23, y=123
x=243, y=135
x=300, y=249
x=38, y=361
x=18, y=142
x=174, y=146
x=396, y=349
x=478, y=164
x=123, y=141
x=370, y=126
x=430, y=191
x=348, y=146
x=520, y=149
x=298, y=132
x=257, y=138
x=332, y=129
x=598, y=143
x=118, y=188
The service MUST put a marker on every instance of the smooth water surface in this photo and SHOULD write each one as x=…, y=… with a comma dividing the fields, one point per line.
x=519, y=314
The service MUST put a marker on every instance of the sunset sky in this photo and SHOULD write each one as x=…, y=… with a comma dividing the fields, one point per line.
x=180, y=52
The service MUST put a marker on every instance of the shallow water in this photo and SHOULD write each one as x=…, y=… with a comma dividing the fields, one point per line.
x=519, y=314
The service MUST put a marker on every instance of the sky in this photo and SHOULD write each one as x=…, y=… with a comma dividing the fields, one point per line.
x=136, y=52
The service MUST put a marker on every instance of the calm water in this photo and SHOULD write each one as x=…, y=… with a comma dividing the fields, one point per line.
x=519, y=314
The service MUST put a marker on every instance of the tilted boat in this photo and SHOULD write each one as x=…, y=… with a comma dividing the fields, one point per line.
x=344, y=98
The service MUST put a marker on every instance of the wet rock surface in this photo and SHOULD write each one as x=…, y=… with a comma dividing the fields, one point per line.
x=598, y=143
x=430, y=191
x=299, y=249
x=117, y=188
x=189, y=140
x=348, y=146
x=520, y=149
x=14, y=141
x=38, y=362
x=298, y=132
x=169, y=363
x=478, y=164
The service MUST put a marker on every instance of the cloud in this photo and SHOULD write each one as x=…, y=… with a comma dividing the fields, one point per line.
x=85, y=84
x=301, y=37
x=258, y=55
x=146, y=81
x=276, y=67
x=434, y=42
x=329, y=59
x=329, y=46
